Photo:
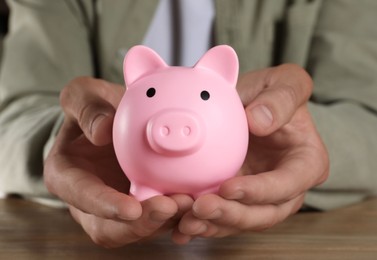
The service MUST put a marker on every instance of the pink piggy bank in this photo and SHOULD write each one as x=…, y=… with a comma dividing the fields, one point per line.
x=180, y=129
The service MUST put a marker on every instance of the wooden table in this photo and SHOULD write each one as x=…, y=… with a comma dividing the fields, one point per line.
x=32, y=231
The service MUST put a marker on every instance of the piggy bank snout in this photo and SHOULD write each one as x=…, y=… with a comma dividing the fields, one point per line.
x=175, y=132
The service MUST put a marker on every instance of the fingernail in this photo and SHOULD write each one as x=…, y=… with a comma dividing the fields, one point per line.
x=96, y=121
x=262, y=116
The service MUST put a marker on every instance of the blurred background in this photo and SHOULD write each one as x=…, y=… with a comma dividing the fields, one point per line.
x=4, y=12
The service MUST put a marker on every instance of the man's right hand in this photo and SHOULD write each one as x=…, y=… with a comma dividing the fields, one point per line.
x=82, y=170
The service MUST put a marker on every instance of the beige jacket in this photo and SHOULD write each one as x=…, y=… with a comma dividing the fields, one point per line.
x=52, y=42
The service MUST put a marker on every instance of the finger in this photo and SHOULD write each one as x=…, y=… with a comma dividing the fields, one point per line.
x=250, y=84
x=191, y=227
x=184, y=203
x=292, y=177
x=157, y=213
x=233, y=217
x=159, y=208
x=179, y=238
x=103, y=232
x=88, y=192
x=91, y=103
x=109, y=233
x=276, y=97
x=195, y=222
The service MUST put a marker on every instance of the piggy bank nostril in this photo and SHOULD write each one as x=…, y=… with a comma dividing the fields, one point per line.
x=165, y=130
x=186, y=131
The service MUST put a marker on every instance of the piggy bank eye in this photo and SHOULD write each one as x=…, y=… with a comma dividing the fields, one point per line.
x=151, y=92
x=204, y=95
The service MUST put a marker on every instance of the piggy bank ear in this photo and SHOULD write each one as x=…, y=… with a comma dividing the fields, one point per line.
x=140, y=61
x=223, y=60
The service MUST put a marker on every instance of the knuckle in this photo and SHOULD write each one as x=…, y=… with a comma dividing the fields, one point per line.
x=73, y=89
x=302, y=84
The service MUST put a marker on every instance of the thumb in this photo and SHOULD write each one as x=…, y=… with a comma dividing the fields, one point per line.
x=97, y=123
x=285, y=89
x=84, y=103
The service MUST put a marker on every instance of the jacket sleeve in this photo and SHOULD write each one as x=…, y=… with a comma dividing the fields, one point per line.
x=47, y=46
x=343, y=64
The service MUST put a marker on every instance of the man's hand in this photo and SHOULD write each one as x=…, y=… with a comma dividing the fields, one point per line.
x=286, y=157
x=83, y=171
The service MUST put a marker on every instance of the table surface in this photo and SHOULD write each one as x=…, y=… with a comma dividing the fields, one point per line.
x=33, y=231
